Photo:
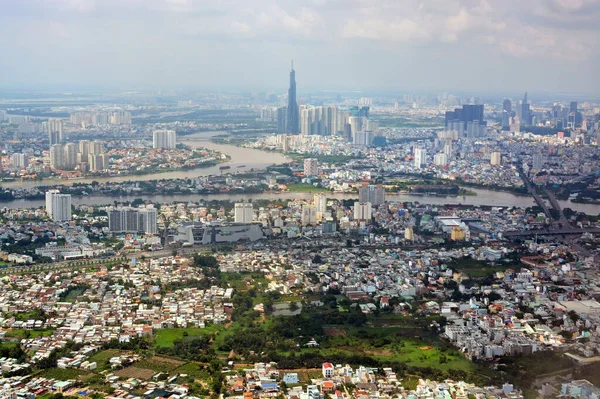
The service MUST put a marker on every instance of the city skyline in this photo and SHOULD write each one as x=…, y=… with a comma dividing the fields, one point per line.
x=466, y=45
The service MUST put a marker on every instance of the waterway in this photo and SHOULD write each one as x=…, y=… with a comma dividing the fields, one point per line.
x=240, y=160
x=245, y=159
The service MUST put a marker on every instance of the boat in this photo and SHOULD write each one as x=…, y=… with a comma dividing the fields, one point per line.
x=241, y=166
x=224, y=167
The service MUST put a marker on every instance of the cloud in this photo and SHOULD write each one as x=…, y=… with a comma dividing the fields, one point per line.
x=214, y=33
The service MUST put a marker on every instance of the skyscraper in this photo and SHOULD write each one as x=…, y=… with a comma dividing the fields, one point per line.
x=58, y=206
x=525, y=111
x=54, y=128
x=57, y=156
x=132, y=220
x=243, y=212
x=164, y=139
x=292, y=108
x=420, y=157
x=374, y=194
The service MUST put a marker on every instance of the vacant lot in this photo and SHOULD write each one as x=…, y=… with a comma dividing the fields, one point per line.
x=334, y=332
x=136, y=372
x=159, y=363
x=166, y=336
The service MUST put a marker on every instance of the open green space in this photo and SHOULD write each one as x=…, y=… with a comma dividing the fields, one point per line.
x=63, y=374
x=23, y=333
x=305, y=188
x=166, y=337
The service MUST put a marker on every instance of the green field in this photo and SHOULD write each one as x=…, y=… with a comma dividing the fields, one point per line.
x=63, y=374
x=166, y=336
x=305, y=188
x=19, y=333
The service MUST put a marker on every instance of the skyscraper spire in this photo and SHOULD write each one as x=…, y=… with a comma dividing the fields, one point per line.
x=293, y=122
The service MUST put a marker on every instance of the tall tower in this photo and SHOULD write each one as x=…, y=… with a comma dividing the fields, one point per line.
x=292, y=108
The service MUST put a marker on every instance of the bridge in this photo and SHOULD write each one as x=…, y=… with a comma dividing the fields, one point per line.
x=549, y=232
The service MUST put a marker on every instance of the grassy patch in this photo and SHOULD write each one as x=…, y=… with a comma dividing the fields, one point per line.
x=166, y=336
x=305, y=188
x=22, y=333
x=63, y=374
x=193, y=369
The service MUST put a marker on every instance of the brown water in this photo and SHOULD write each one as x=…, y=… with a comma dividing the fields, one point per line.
x=256, y=159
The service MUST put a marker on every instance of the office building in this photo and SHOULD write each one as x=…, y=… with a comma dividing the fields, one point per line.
x=19, y=161
x=54, y=128
x=363, y=138
x=309, y=215
x=97, y=162
x=164, y=139
x=84, y=148
x=319, y=121
x=311, y=167
x=71, y=151
x=243, y=212
x=524, y=111
x=537, y=162
x=373, y=194
x=282, y=119
x=320, y=200
x=440, y=159
x=496, y=158
x=459, y=118
x=58, y=206
x=292, y=119
x=148, y=220
x=362, y=211
x=420, y=157
x=57, y=156
x=506, y=113
x=132, y=220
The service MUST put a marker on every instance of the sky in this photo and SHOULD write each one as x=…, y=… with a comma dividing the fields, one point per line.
x=427, y=45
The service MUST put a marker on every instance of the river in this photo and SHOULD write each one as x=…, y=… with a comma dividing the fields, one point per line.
x=249, y=159
x=241, y=160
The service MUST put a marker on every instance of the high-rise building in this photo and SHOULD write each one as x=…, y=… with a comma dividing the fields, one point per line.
x=54, y=128
x=537, y=162
x=496, y=158
x=420, y=157
x=293, y=119
x=506, y=113
x=148, y=220
x=525, y=116
x=71, y=150
x=363, y=138
x=319, y=121
x=84, y=150
x=95, y=148
x=164, y=139
x=440, y=159
x=19, y=161
x=58, y=206
x=97, y=162
x=320, y=204
x=459, y=118
x=311, y=167
x=309, y=214
x=362, y=211
x=132, y=220
x=243, y=212
x=57, y=156
x=373, y=194
x=282, y=119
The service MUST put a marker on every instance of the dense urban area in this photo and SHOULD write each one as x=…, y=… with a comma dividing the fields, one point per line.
x=352, y=246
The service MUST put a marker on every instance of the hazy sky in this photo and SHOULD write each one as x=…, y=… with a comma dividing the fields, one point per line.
x=479, y=45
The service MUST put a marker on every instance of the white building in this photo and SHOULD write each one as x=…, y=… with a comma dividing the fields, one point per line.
x=164, y=139
x=57, y=156
x=420, y=157
x=320, y=204
x=440, y=159
x=58, y=206
x=243, y=212
x=19, y=161
x=375, y=194
x=309, y=215
x=496, y=158
x=362, y=211
x=311, y=167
